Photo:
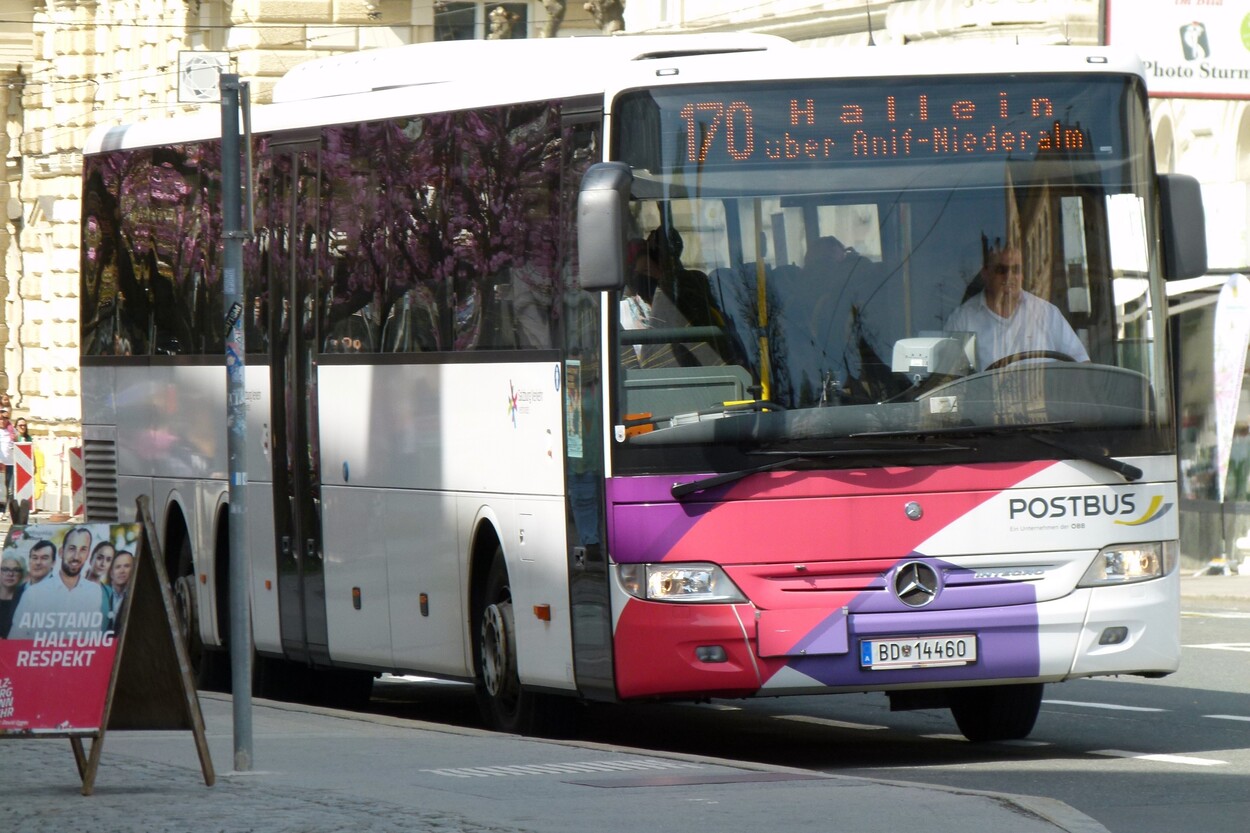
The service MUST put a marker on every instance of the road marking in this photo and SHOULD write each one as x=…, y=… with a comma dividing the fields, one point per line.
x=1167, y=759
x=1102, y=706
x=1228, y=717
x=821, y=721
x=1209, y=615
x=1243, y=647
x=561, y=769
x=387, y=679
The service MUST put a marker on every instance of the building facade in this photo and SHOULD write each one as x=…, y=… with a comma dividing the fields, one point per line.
x=67, y=66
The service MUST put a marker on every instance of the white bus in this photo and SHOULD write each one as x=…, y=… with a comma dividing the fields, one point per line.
x=548, y=389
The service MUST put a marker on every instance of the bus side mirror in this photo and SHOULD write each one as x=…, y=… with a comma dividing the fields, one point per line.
x=602, y=212
x=1184, y=227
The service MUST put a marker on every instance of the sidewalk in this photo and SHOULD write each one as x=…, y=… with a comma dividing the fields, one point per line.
x=1211, y=588
x=323, y=770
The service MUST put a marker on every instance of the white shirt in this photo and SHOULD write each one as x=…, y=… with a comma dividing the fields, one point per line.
x=1035, y=325
x=51, y=607
x=6, y=446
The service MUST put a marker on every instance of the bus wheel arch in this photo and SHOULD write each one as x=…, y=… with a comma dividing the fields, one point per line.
x=504, y=703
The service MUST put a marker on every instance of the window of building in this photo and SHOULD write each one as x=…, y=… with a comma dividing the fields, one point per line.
x=471, y=19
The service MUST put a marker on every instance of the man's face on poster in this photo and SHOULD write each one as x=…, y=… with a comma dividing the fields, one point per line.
x=40, y=560
x=74, y=552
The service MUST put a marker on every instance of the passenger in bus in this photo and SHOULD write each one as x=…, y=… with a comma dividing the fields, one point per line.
x=1009, y=321
x=682, y=298
x=639, y=289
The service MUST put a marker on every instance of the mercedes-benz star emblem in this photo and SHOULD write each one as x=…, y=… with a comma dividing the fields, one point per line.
x=916, y=584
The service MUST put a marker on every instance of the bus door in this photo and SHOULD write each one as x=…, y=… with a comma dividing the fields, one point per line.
x=295, y=443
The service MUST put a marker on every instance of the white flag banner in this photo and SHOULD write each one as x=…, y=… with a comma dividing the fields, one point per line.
x=1232, y=339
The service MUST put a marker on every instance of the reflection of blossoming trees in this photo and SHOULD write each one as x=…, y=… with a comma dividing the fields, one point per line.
x=151, y=224
x=417, y=233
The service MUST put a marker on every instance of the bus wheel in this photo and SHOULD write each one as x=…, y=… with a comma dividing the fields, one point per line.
x=211, y=668
x=990, y=713
x=504, y=704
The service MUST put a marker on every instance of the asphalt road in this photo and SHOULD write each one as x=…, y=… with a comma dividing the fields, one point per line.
x=1138, y=756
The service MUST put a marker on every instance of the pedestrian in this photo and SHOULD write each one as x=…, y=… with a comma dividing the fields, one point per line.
x=8, y=436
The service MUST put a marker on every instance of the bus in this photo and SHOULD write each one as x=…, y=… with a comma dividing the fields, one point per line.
x=624, y=369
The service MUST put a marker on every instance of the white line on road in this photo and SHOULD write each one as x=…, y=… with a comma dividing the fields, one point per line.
x=1167, y=759
x=562, y=768
x=1228, y=717
x=821, y=721
x=1244, y=647
x=1102, y=706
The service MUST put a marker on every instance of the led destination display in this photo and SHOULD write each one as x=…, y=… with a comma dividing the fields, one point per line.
x=832, y=123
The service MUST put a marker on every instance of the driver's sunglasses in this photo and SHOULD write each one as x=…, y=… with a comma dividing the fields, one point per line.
x=1004, y=268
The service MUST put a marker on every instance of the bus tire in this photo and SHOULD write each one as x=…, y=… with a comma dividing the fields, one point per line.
x=211, y=668
x=991, y=713
x=504, y=704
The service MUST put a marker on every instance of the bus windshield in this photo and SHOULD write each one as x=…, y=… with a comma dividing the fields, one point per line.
x=822, y=260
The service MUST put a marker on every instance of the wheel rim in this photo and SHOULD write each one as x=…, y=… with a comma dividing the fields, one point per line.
x=184, y=599
x=497, y=656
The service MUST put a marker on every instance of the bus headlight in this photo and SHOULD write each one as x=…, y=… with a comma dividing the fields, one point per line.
x=678, y=583
x=1127, y=563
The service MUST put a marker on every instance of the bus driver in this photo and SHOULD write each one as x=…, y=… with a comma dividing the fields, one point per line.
x=1009, y=321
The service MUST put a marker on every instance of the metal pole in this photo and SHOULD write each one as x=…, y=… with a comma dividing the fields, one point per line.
x=236, y=423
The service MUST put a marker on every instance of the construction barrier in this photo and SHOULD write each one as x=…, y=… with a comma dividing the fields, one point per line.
x=77, y=482
x=23, y=472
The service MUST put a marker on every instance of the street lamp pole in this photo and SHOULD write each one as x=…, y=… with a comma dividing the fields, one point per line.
x=236, y=417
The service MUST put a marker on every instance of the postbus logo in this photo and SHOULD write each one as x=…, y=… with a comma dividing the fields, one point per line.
x=1123, y=508
x=1154, y=510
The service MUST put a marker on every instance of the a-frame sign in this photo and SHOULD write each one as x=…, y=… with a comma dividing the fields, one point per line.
x=103, y=627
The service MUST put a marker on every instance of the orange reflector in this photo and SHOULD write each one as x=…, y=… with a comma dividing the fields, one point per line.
x=203, y=578
x=543, y=612
x=636, y=424
x=268, y=584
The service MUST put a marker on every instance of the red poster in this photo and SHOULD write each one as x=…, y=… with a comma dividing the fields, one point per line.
x=63, y=589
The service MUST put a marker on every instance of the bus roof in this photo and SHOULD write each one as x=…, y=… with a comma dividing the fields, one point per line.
x=434, y=77
x=451, y=61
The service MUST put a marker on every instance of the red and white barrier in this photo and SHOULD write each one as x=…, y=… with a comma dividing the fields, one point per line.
x=77, y=482
x=24, y=472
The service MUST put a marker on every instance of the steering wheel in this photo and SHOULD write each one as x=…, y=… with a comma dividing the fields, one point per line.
x=1025, y=355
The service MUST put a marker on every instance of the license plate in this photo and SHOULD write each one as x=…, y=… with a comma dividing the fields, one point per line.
x=917, y=652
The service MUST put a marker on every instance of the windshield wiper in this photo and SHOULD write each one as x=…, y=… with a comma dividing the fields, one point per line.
x=1126, y=470
x=790, y=458
x=1036, y=431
